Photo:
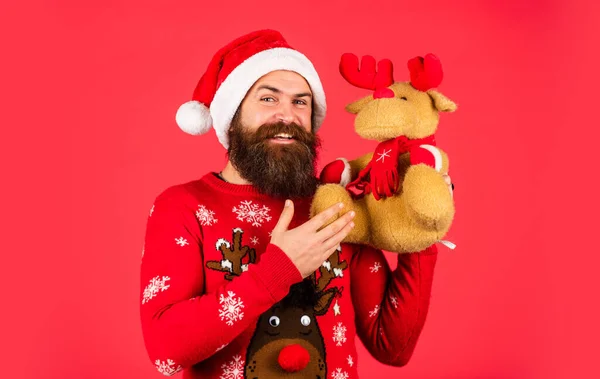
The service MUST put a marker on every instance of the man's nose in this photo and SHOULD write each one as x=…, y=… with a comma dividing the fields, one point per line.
x=285, y=113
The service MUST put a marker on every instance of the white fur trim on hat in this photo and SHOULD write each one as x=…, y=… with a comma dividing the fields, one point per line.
x=234, y=88
x=193, y=118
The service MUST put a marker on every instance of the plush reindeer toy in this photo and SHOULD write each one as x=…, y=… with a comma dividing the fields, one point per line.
x=401, y=200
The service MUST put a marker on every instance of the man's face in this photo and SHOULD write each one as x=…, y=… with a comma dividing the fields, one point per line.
x=280, y=96
x=270, y=140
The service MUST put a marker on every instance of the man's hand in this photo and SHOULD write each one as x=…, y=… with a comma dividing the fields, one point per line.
x=306, y=245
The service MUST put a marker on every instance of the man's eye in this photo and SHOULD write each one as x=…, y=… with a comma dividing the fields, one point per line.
x=268, y=99
x=301, y=102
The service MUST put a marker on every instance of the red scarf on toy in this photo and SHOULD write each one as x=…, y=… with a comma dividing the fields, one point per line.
x=382, y=170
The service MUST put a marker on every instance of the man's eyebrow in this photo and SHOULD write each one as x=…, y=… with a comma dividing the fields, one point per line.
x=272, y=89
x=278, y=91
x=304, y=94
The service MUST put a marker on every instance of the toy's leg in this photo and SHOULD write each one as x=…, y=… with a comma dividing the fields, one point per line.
x=427, y=198
x=329, y=194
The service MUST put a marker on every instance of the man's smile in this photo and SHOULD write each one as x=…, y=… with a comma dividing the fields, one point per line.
x=282, y=138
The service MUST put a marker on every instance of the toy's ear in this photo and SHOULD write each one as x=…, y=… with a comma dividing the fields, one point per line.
x=358, y=105
x=441, y=102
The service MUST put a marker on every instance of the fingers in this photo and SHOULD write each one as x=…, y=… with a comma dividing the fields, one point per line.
x=337, y=238
x=285, y=218
x=320, y=219
x=329, y=252
x=335, y=226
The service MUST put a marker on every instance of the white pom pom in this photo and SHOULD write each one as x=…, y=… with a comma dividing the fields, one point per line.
x=193, y=118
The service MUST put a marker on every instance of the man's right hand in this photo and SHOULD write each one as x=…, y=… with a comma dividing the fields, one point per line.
x=306, y=245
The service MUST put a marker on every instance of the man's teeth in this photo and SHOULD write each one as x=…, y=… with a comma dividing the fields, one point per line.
x=283, y=135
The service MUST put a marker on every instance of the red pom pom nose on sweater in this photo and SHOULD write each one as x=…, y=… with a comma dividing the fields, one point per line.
x=293, y=358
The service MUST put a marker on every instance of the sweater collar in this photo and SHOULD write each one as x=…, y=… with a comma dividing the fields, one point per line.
x=219, y=185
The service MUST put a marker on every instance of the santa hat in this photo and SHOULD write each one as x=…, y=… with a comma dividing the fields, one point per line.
x=233, y=71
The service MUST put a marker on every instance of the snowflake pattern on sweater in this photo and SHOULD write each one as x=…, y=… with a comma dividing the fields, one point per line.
x=253, y=213
x=205, y=216
x=156, y=285
x=231, y=308
x=339, y=334
x=234, y=369
x=339, y=374
x=168, y=368
x=181, y=241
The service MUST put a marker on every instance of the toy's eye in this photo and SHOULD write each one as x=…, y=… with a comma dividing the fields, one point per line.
x=404, y=98
x=274, y=321
x=305, y=320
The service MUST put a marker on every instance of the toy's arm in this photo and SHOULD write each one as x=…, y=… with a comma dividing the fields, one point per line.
x=391, y=306
x=431, y=156
x=341, y=171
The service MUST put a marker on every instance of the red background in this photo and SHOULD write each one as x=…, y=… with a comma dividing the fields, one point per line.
x=89, y=94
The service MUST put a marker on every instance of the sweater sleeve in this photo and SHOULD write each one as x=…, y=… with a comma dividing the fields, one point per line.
x=391, y=307
x=182, y=324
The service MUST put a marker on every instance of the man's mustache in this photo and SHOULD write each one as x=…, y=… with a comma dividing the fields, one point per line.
x=268, y=131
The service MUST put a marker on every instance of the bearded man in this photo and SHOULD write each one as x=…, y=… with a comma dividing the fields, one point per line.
x=224, y=254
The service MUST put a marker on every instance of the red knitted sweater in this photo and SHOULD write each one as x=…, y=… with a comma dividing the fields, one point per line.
x=217, y=300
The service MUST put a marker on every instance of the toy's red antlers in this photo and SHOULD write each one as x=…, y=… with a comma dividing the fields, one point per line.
x=425, y=73
x=367, y=77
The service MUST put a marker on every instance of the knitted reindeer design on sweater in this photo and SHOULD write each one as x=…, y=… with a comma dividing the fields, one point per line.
x=398, y=192
x=233, y=252
x=287, y=342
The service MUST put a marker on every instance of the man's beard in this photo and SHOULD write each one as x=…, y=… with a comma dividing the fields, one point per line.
x=278, y=170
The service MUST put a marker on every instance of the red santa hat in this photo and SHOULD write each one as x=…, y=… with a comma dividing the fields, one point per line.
x=233, y=71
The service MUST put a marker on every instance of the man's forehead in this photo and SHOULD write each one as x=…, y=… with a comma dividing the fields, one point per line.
x=284, y=81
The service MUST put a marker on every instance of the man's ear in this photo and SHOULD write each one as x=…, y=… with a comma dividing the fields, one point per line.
x=441, y=102
x=358, y=105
